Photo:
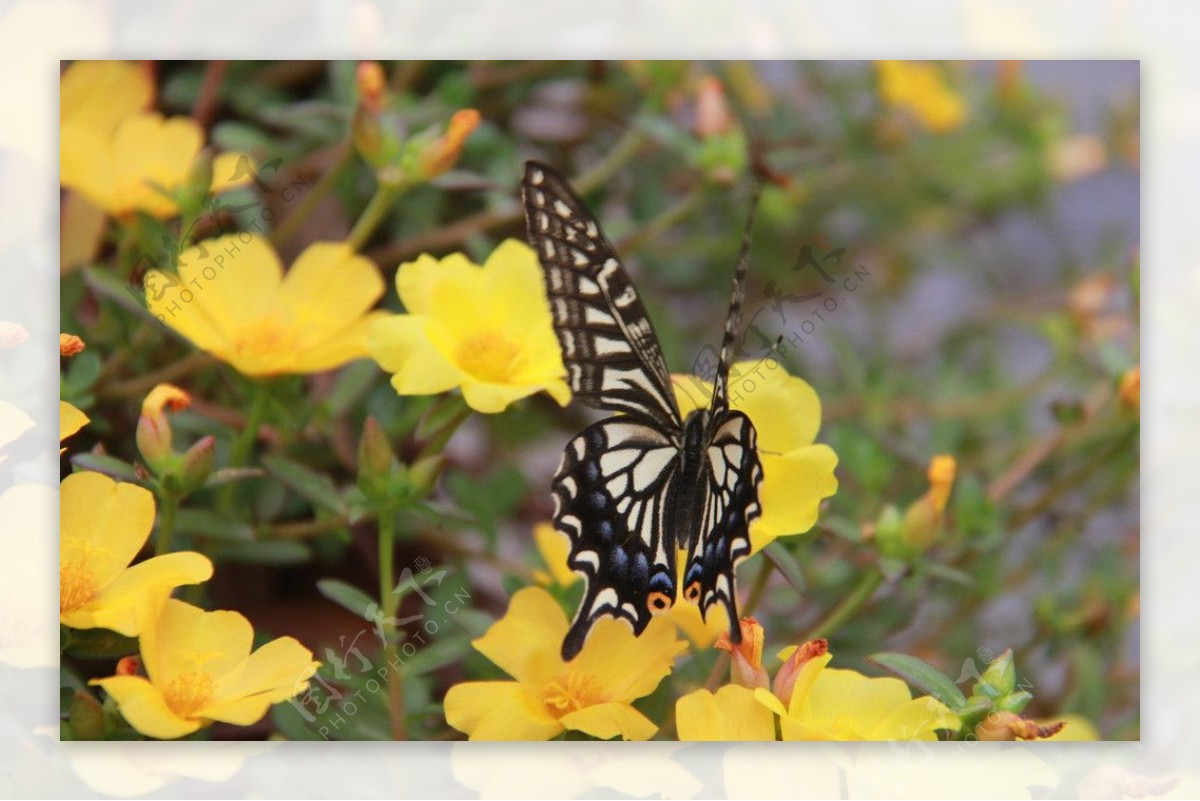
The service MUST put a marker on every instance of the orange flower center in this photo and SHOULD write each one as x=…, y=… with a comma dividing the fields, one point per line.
x=571, y=693
x=266, y=337
x=77, y=585
x=489, y=356
x=188, y=692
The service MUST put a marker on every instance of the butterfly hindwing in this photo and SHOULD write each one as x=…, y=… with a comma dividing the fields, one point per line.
x=609, y=348
x=613, y=492
x=730, y=476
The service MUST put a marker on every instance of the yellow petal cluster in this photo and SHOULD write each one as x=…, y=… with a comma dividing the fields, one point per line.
x=122, y=157
x=486, y=330
x=199, y=669
x=232, y=299
x=786, y=412
x=103, y=525
x=593, y=693
x=920, y=89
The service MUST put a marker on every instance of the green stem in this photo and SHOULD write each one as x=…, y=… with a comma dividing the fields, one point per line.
x=622, y=150
x=387, y=606
x=377, y=208
x=862, y=592
x=669, y=217
x=759, y=586
x=308, y=204
x=166, y=523
x=245, y=439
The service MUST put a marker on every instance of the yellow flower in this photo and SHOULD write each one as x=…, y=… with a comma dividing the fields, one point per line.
x=731, y=713
x=199, y=669
x=592, y=693
x=554, y=547
x=786, y=413
x=121, y=157
x=745, y=658
x=70, y=420
x=103, y=525
x=920, y=89
x=232, y=299
x=831, y=704
x=485, y=329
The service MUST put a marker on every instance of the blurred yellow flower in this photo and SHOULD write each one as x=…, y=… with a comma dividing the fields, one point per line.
x=832, y=704
x=70, y=420
x=920, y=89
x=485, y=329
x=120, y=156
x=103, y=525
x=232, y=299
x=553, y=547
x=786, y=412
x=199, y=669
x=592, y=693
x=731, y=713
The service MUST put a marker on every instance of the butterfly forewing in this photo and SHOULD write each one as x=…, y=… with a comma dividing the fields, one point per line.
x=612, y=494
x=612, y=356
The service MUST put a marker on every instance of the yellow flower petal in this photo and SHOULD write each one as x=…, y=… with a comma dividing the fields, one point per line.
x=606, y=656
x=103, y=524
x=732, y=713
x=526, y=643
x=794, y=484
x=99, y=94
x=554, y=547
x=610, y=720
x=275, y=672
x=492, y=398
x=144, y=707
x=498, y=710
x=236, y=280
x=187, y=639
x=131, y=596
x=343, y=346
x=785, y=409
x=403, y=345
x=328, y=289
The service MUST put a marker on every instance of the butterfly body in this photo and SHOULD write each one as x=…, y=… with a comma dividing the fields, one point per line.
x=634, y=489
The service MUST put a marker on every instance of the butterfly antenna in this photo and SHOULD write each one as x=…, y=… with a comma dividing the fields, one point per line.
x=720, y=399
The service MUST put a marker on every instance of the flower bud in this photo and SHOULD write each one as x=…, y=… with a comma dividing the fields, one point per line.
x=1000, y=676
x=372, y=85
x=86, y=717
x=1130, y=388
x=745, y=657
x=197, y=464
x=374, y=461
x=69, y=345
x=713, y=116
x=154, y=442
x=1007, y=726
x=442, y=154
x=129, y=666
x=197, y=184
x=923, y=519
x=785, y=679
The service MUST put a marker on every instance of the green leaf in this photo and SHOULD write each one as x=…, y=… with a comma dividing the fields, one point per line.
x=315, y=487
x=921, y=675
x=346, y=596
x=269, y=552
x=786, y=564
x=99, y=644
x=213, y=526
x=108, y=465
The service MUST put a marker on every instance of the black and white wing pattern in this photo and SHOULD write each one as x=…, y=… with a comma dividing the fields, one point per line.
x=609, y=347
x=632, y=489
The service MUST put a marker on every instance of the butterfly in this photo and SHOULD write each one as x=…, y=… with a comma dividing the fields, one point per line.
x=633, y=488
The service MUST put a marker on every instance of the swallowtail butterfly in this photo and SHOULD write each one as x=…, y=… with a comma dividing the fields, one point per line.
x=633, y=488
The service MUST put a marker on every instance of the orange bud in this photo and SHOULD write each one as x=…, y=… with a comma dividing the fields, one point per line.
x=166, y=396
x=713, y=116
x=69, y=345
x=785, y=679
x=1130, y=389
x=745, y=663
x=129, y=666
x=372, y=85
x=443, y=153
x=1007, y=726
x=923, y=519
